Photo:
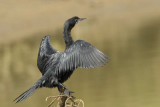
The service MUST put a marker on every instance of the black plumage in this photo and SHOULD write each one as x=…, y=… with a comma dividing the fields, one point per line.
x=56, y=67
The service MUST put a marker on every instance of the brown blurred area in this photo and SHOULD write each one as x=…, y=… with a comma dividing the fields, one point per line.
x=127, y=31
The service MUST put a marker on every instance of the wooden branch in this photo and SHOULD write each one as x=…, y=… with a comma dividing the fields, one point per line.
x=65, y=101
x=62, y=101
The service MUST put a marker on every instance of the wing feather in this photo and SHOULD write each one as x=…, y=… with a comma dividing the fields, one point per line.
x=45, y=51
x=81, y=54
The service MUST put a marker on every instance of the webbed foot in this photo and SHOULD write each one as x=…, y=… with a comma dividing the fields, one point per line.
x=67, y=92
x=63, y=89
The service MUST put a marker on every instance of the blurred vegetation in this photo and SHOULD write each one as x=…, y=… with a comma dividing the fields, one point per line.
x=127, y=31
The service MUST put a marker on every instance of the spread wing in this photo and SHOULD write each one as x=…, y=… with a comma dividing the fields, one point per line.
x=45, y=51
x=81, y=54
x=46, y=47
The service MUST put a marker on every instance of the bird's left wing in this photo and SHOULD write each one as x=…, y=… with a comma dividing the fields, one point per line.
x=81, y=54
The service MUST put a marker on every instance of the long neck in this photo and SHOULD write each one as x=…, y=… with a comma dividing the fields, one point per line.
x=67, y=37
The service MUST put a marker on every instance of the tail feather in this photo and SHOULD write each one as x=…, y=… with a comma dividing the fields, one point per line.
x=26, y=94
x=30, y=91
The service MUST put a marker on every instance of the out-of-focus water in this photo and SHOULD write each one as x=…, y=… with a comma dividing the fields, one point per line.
x=127, y=31
x=130, y=79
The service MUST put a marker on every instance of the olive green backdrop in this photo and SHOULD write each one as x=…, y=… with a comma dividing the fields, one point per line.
x=127, y=31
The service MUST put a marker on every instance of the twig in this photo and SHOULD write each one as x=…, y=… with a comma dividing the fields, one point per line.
x=65, y=101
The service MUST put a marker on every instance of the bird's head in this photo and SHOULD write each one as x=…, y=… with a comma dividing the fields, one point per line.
x=70, y=23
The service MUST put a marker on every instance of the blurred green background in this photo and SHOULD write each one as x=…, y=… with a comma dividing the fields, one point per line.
x=127, y=31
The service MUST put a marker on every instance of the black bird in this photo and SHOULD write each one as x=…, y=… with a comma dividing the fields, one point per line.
x=56, y=67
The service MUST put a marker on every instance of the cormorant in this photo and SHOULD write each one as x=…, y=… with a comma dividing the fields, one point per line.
x=56, y=67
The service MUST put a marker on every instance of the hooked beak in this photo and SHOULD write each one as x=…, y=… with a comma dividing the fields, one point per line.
x=80, y=19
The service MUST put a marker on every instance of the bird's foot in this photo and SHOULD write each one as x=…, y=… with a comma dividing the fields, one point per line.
x=67, y=92
x=63, y=89
x=67, y=101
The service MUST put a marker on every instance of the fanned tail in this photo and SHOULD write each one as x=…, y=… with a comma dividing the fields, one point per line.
x=26, y=94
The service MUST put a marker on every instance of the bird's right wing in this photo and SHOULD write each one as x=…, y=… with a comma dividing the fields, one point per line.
x=45, y=52
x=81, y=54
x=46, y=47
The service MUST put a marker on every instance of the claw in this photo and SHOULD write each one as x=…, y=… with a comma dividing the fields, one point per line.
x=67, y=92
x=62, y=89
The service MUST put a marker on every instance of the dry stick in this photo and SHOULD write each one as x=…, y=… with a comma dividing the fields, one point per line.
x=52, y=100
x=56, y=97
x=63, y=99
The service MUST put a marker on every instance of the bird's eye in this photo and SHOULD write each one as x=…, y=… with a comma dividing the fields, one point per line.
x=75, y=20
